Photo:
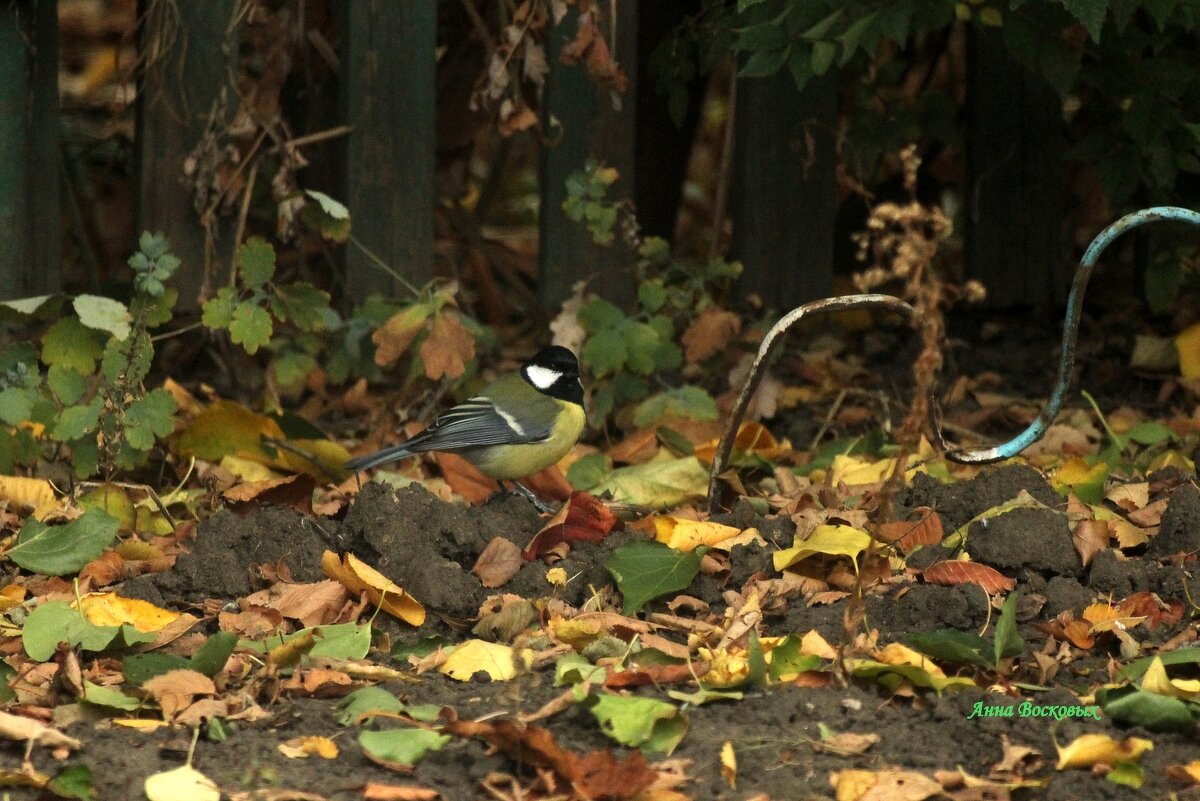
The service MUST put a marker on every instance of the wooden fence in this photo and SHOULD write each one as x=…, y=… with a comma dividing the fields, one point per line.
x=783, y=207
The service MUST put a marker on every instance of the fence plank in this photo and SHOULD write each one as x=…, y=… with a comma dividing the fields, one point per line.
x=29, y=144
x=1014, y=207
x=782, y=203
x=185, y=83
x=581, y=122
x=388, y=96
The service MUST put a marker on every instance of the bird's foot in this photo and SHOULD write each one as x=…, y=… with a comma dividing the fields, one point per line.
x=529, y=495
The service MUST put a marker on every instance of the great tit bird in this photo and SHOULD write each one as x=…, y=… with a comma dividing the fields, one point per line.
x=519, y=424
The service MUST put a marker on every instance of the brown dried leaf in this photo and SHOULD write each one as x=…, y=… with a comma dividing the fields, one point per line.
x=448, y=348
x=393, y=338
x=16, y=727
x=1090, y=537
x=372, y=791
x=499, y=562
x=583, y=517
x=710, y=333
x=950, y=572
x=176, y=689
x=907, y=535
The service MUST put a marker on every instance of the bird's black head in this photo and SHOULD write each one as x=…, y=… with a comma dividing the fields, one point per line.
x=554, y=370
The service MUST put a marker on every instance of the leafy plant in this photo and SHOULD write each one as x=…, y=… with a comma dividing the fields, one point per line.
x=92, y=396
x=623, y=350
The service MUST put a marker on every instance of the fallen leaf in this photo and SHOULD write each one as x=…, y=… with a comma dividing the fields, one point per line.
x=1090, y=537
x=950, y=572
x=304, y=747
x=1088, y=750
x=184, y=783
x=498, y=662
x=583, y=518
x=1188, y=774
x=831, y=540
x=372, y=791
x=883, y=785
x=729, y=764
x=16, y=727
x=358, y=576
x=907, y=535
x=110, y=609
x=498, y=562
x=687, y=535
x=176, y=689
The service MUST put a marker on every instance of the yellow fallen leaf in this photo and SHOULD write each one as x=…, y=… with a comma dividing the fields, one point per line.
x=826, y=539
x=727, y=667
x=499, y=662
x=1188, y=774
x=686, y=535
x=883, y=785
x=814, y=644
x=895, y=653
x=304, y=747
x=1087, y=750
x=140, y=724
x=1187, y=342
x=11, y=595
x=27, y=493
x=110, y=609
x=1155, y=680
x=358, y=576
x=184, y=783
x=729, y=764
x=1076, y=473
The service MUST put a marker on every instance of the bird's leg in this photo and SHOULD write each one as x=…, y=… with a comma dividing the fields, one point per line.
x=521, y=489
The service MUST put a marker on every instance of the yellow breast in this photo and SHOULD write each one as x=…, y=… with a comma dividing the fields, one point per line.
x=517, y=461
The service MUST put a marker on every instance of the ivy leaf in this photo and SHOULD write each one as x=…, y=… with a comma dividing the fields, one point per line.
x=104, y=314
x=59, y=550
x=76, y=421
x=256, y=262
x=647, y=570
x=69, y=343
x=149, y=417
x=250, y=327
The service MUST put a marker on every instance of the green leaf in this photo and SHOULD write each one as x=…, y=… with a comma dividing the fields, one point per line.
x=764, y=63
x=951, y=645
x=109, y=697
x=256, y=262
x=76, y=421
x=16, y=404
x=853, y=36
x=1127, y=774
x=1090, y=12
x=250, y=327
x=327, y=217
x=128, y=360
x=291, y=368
x=211, y=657
x=55, y=622
x=646, y=570
x=342, y=641
x=67, y=384
x=425, y=646
x=1148, y=710
x=822, y=28
x=604, y=352
x=305, y=305
x=1180, y=656
x=103, y=314
x=646, y=723
x=788, y=659
x=140, y=668
x=401, y=746
x=73, y=781
x=659, y=483
x=1008, y=641
x=58, y=550
x=687, y=401
x=149, y=417
x=218, y=310
x=363, y=701
x=589, y=470
x=576, y=668
x=822, y=56
x=69, y=343
x=598, y=314
x=652, y=294
x=768, y=35
x=643, y=348
x=1150, y=433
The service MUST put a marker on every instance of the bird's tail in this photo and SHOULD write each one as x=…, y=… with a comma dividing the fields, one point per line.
x=390, y=454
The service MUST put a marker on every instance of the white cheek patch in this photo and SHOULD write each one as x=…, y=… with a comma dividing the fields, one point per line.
x=542, y=377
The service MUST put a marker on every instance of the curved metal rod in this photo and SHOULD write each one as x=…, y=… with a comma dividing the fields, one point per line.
x=1070, y=333
x=757, y=369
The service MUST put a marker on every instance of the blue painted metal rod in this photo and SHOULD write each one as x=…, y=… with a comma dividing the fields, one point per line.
x=1070, y=334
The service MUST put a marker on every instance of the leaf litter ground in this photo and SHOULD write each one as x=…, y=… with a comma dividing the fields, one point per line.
x=785, y=736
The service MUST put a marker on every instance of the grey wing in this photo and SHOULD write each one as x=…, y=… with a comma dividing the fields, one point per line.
x=474, y=423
